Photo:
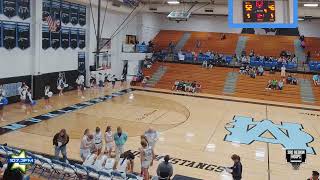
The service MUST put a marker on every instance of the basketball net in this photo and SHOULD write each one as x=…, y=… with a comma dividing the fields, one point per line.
x=295, y=165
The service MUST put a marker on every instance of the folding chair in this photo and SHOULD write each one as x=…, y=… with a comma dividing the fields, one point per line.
x=81, y=171
x=104, y=175
x=116, y=175
x=93, y=172
x=69, y=170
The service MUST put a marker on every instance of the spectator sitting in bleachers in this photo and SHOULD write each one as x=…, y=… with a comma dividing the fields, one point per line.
x=294, y=59
x=186, y=86
x=198, y=88
x=251, y=54
x=242, y=70
x=175, y=85
x=316, y=80
x=272, y=84
x=280, y=84
x=260, y=71
x=204, y=64
x=252, y=72
x=272, y=70
x=244, y=60
x=291, y=80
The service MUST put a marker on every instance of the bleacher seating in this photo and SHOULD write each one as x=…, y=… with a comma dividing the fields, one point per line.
x=313, y=45
x=49, y=168
x=164, y=37
x=212, y=81
x=212, y=41
x=267, y=45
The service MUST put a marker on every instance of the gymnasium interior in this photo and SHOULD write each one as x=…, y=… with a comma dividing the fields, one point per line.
x=159, y=89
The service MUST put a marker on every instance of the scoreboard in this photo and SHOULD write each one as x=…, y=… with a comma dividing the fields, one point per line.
x=259, y=11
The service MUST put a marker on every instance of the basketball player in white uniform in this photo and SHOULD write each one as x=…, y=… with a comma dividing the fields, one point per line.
x=23, y=94
x=98, y=140
x=47, y=95
x=29, y=102
x=85, y=145
x=152, y=137
x=146, y=157
x=109, y=140
x=100, y=161
x=80, y=83
x=90, y=159
x=110, y=163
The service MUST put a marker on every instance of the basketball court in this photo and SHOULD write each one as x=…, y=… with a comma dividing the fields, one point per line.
x=199, y=132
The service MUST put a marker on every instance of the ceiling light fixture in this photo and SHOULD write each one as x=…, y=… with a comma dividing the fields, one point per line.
x=310, y=5
x=173, y=2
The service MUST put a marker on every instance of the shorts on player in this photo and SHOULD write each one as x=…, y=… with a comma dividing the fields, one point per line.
x=109, y=146
x=145, y=164
x=84, y=153
x=98, y=146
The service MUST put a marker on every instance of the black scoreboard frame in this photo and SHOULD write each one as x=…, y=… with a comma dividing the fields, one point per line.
x=266, y=11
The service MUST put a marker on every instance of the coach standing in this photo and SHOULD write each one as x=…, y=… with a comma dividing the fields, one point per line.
x=120, y=138
x=60, y=141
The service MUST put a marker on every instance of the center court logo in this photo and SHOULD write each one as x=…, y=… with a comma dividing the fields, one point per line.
x=290, y=135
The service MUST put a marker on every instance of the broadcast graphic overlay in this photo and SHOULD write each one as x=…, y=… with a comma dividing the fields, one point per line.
x=263, y=13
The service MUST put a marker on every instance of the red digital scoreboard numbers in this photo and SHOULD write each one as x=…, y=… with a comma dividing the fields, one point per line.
x=259, y=11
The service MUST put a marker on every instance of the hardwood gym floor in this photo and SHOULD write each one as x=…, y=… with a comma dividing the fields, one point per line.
x=193, y=130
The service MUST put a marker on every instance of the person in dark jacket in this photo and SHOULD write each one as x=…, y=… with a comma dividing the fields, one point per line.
x=236, y=168
x=165, y=169
x=60, y=141
x=12, y=174
x=315, y=176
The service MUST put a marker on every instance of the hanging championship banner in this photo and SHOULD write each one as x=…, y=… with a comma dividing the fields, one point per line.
x=0, y=34
x=1, y=6
x=65, y=12
x=65, y=38
x=45, y=37
x=46, y=6
x=73, y=38
x=55, y=39
x=56, y=9
x=10, y=8
x=74, y=10
x=9, y=34
x=24, y=9
x=82, y=38
x=82, y=15
x=23, y=32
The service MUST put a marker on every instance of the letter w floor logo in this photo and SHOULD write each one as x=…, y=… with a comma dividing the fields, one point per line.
x=244, y=130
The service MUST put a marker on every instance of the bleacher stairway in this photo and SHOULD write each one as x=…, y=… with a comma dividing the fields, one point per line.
x=241, y=45
x=185, y=37
x=299, y=52
x=155, y=77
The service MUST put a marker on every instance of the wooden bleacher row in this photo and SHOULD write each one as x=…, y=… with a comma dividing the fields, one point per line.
x=212, y=42
x=267, y=45
x=164, y=37
x=212, y=81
